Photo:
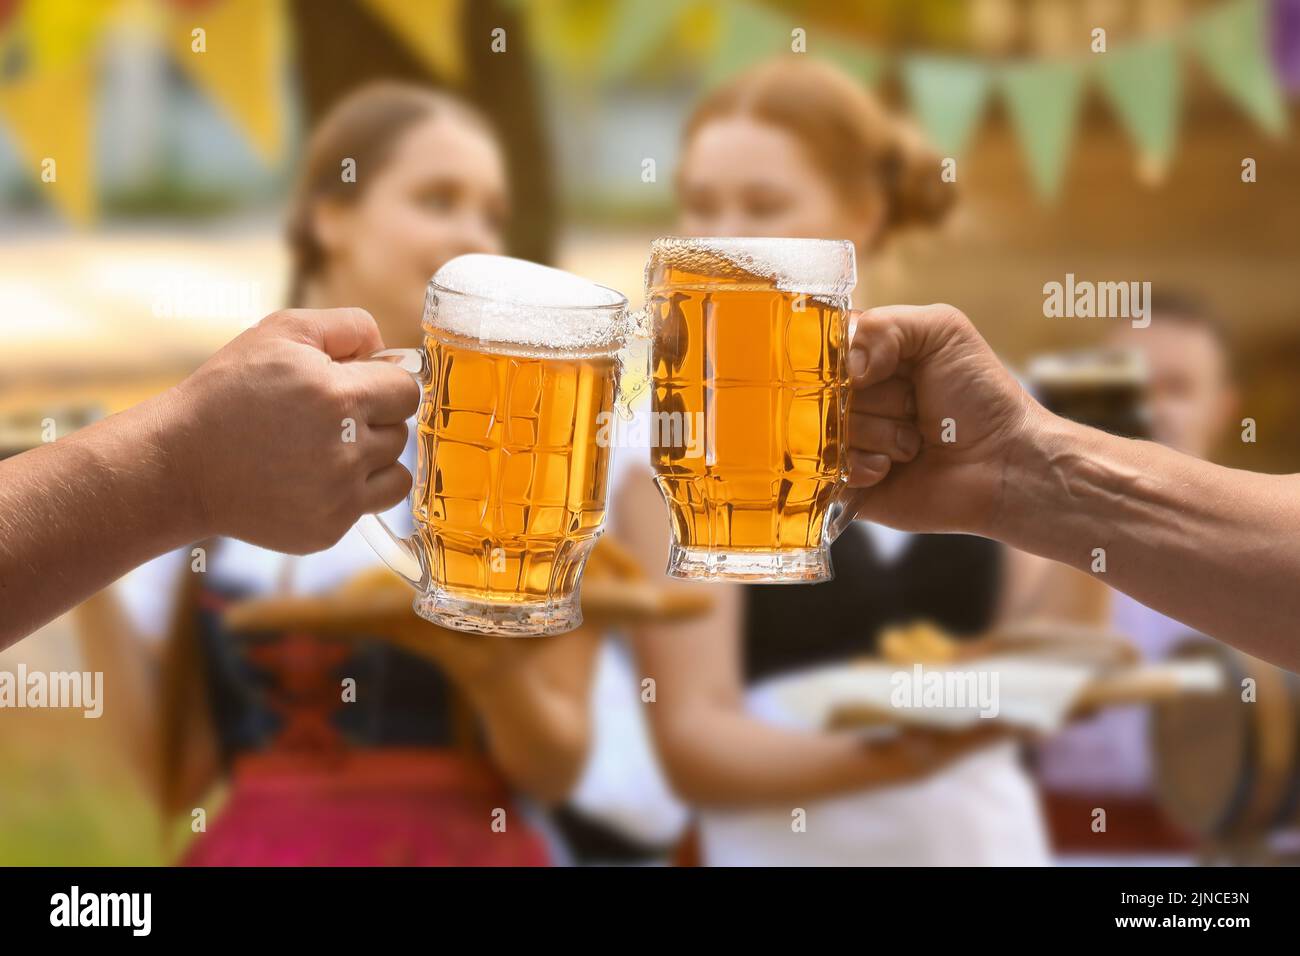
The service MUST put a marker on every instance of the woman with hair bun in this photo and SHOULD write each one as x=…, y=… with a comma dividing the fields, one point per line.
x=796, y=148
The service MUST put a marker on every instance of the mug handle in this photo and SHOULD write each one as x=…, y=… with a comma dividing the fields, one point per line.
x=634, y=362
x=400, y=554
x=844, y=509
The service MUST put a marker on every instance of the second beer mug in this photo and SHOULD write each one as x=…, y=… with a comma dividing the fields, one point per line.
x=749, y=359
x=519, y=365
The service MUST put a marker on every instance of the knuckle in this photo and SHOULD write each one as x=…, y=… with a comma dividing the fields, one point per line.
x=350, y=460
x=283, y=365
x=402, y=485
x=361, y=317
x=344, y=396
x=283, y=321
x=411, y=395
x=395, y=382
x=951, y=315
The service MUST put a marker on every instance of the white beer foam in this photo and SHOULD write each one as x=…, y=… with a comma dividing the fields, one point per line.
x=818, y=267
x=1100, y=366
x=516, y=302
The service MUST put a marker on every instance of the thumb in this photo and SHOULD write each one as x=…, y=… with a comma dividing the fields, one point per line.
x=339, y=333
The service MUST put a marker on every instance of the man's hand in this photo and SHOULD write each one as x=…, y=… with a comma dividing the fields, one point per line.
x=252, y=445
x=921, y=375
x=1212, y=547
x=283, y=441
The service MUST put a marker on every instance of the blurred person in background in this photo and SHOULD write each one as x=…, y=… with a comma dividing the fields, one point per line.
x=1105, y=760
x=412, y=771
x=799, y=149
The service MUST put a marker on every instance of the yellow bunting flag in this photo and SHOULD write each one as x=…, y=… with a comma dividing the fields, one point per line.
x=571, y=35
x=49, y=116
x=47, y=97
x=430, y=28
x=234, y=50
x=63, y=33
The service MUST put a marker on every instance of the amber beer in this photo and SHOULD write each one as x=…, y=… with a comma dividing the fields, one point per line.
x=519, y=368
x=511, y=488
x=750, y=340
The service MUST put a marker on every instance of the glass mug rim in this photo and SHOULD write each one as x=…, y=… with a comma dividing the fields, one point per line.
x=584, y=328
x=833, y=273
x=621, y=305
x=752, y=240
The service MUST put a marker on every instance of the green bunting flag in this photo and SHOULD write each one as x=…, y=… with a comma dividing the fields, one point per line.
x=860, y=62
x=1231, y=42
x=1043, y=99
x=639, y=27
x=1142, y=83
x=948, y=96
x=750, y=33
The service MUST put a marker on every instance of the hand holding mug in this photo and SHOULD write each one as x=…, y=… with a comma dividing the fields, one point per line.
x=935, y=419
x=283, y=441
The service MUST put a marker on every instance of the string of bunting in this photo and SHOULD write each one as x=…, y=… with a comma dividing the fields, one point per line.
x=235, y=52
x=949, y=95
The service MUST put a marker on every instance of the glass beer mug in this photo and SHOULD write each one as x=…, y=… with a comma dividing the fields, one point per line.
x=518, y=366
x=1104, y=388
x=749, y=354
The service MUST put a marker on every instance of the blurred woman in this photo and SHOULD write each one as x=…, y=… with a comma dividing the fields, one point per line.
x=797, y=149
x=413, y=766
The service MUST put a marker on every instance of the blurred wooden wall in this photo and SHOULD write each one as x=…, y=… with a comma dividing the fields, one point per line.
x=1200, y=230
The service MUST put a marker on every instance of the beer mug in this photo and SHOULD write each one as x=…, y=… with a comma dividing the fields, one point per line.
x=1103, y=388
x=519, y=364
x=749, y=352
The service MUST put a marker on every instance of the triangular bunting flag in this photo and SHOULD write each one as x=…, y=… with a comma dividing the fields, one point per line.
x=639, y=26
x=698, y=30
x=48, y=103
x=948, y=96
x=570, y=34
x=431, y=28
x=1142, y=82
x=63, y=33
x=1231, y=42
x=1043, y=99
x=49, y=115
x=750, y=33
x=241, y=66
x=860, y=62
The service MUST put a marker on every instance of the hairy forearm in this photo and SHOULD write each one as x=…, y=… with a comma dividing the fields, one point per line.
x=1213, y=547
x=78, y=513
